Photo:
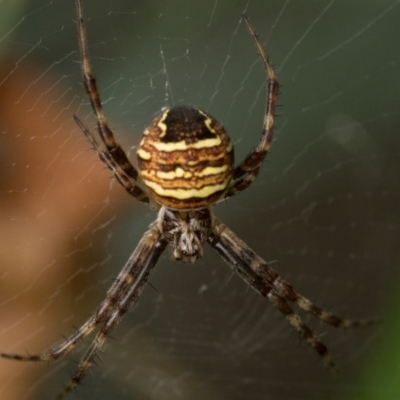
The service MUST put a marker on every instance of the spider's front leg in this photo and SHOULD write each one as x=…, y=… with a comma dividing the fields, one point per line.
x=125, y=290
x=262, y=278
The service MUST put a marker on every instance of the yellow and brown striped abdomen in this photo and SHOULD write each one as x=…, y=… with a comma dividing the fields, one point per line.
x=185, y=158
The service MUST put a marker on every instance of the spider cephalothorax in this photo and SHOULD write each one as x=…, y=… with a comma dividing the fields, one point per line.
x=185, y=231
x=186, y=165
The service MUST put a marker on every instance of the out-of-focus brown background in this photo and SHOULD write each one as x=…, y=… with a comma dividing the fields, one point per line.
x=325, y=207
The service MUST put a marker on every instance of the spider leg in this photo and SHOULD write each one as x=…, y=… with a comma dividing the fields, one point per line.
x=245, y=173
x=130, y=185
x=268, y=283
x=113, y=149
x=61, y=350
x=131, y=284
x=117, y=291
x=283, y=288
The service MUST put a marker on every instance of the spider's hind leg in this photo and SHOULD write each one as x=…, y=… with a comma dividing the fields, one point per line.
x=119, y=171
x=246, y=172
x=112, y=154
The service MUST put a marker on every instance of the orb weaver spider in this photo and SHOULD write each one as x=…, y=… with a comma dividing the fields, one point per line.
x=185, y=166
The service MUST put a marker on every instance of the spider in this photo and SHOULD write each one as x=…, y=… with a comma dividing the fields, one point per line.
x=185, y=166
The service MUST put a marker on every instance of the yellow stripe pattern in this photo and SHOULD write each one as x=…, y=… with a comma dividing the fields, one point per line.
x=185, y=159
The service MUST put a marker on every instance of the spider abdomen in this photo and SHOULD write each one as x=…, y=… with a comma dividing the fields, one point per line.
x=185, y=158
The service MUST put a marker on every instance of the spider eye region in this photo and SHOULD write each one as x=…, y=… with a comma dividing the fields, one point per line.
x=185, y=158
x=185, y=231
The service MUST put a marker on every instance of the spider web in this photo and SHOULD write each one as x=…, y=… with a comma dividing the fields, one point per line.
x=324, y=208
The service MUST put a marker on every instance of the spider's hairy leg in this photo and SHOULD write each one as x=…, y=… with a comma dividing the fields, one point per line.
x=125, y=291
x=322, y=314
x=265, y=290
x=114, y=294
x=245, y=173
x=114, y=150
x=61, y=350
x=284, y=289
x=268, y=283
x=118, y=290
x=132, y=186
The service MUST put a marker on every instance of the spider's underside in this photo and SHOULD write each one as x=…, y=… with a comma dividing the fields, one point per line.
x=186, y=165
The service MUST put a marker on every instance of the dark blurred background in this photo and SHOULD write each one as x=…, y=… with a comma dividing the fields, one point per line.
x=325, y=208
